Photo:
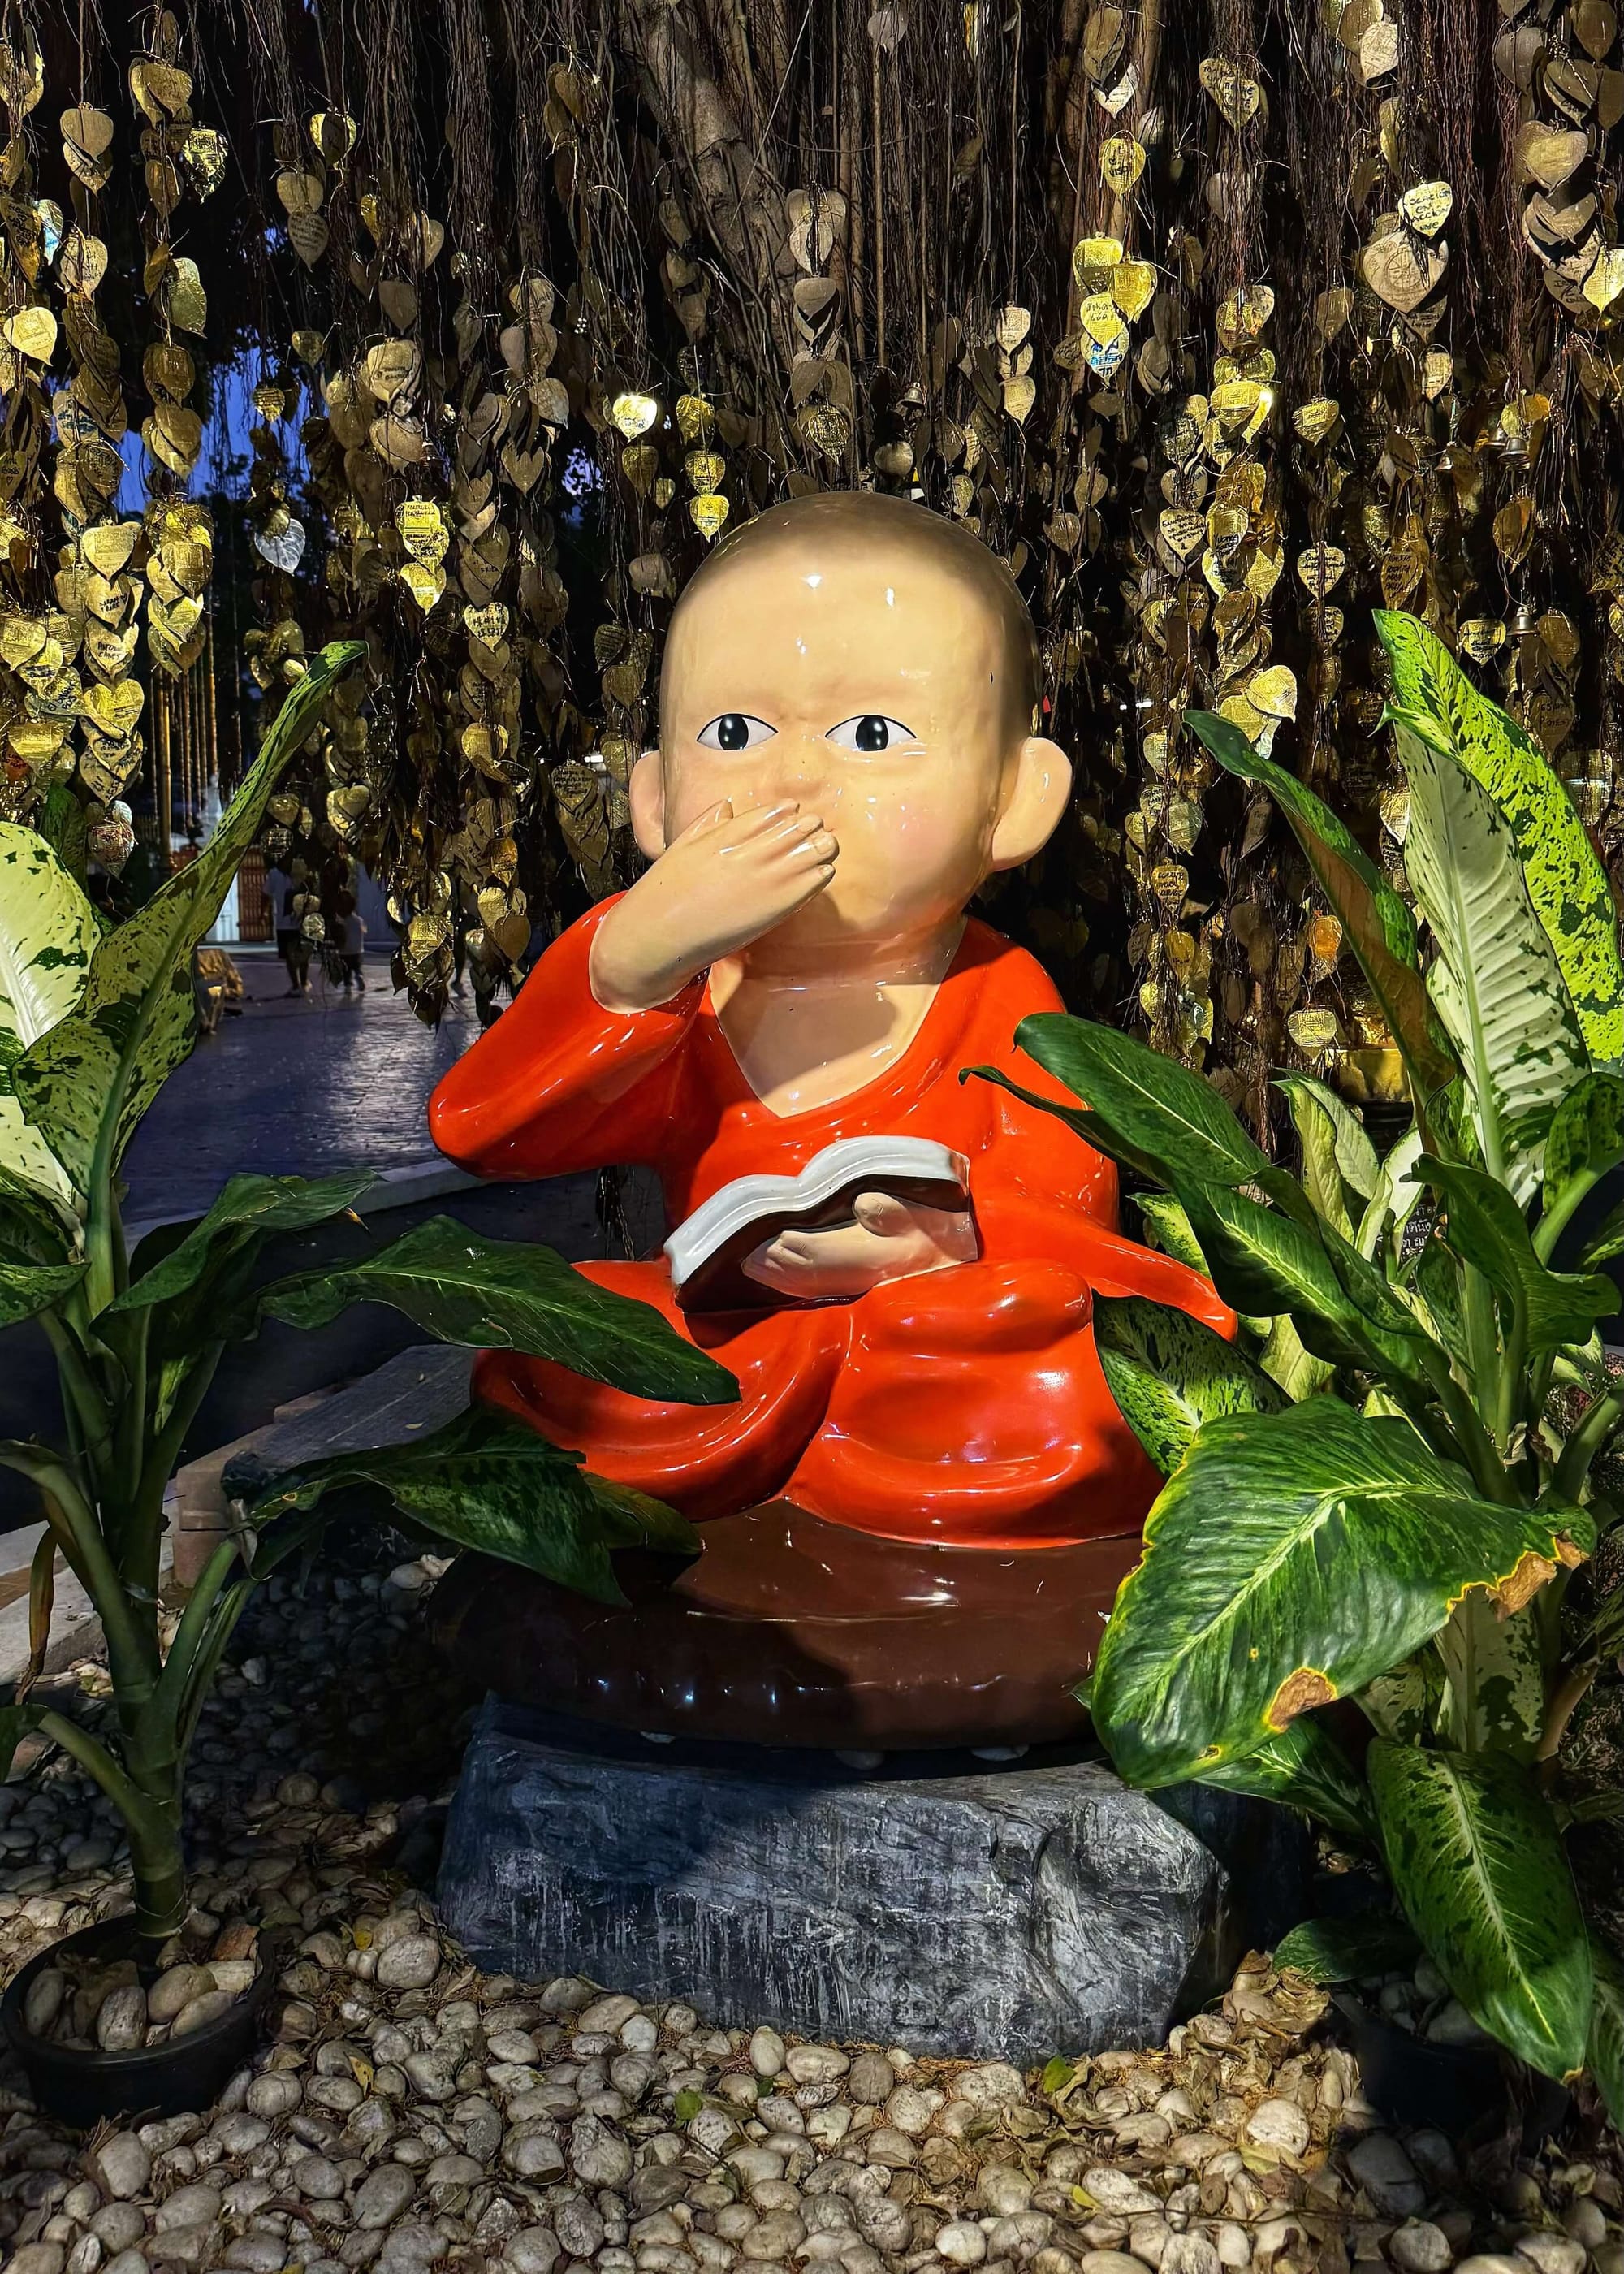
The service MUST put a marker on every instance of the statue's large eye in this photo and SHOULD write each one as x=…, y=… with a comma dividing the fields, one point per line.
x=871, y=732
x=735, y=730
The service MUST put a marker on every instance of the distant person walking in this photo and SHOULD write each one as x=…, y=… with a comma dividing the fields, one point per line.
x=352, y=942
x=291, y=944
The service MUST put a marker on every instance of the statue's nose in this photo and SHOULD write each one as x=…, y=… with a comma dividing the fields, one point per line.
x=802, y=766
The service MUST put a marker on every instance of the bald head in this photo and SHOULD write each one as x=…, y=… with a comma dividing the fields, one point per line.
x=862, y=528
x=863, y=660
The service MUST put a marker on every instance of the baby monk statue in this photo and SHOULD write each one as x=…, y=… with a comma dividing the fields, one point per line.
x=848, y=749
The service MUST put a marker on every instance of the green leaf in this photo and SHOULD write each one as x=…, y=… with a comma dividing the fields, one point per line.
x=1264, y=1264
x=1586, y=1140
x=249, y=1208
x=1168, y=1373
x=1606, y=2051
x=1607, y=1239
x=686, y=2105
x=1497, y=983
x=1474, y=1855
x=85, y=1084
x=1435, y=1279
x=48, y=932
x=1388, y=1318
x=1303, y=1766
x=488, y=1482
x=1147, y=1106
x=27, y=1289
x=1566, y=879
x=1322, y=1176
x=506, y=1294
x=36, y=1226
x=1393, y=1198
x=1485, y=1227
x=1342, y=1949
x=1401, y=1703
x=1058, y=2073
x=1378, y=926
x=65, y=824
x=1494, y=1692
x=1285, y=1360
x=1290, y=1558
x=1170, y=1228
x=1356, y=1159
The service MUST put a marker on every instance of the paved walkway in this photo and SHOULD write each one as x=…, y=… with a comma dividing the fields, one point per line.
x=303, y=1085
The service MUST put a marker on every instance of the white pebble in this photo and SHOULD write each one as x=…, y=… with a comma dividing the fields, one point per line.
x=382, y=2195
x=767, y=2050
x=410, y=1963
x=1420, y=2247
x=121, y=2023
x=177, y=1989
x=1280, y=2124
x=606, y=2015
x=1118, y=2192
x=276, y=2093
x=1380, y=2166
x=1552, y=2254
x=43, y=2001
x=961, y=2243
x=533, y=2250
x=121, y=2166
x=201, y=2011
x=815, y=2064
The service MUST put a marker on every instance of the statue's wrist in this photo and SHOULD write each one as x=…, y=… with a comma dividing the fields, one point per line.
x=621, y=987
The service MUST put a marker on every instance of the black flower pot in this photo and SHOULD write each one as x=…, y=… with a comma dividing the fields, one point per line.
x=1461, y=2091
x=81, y=2086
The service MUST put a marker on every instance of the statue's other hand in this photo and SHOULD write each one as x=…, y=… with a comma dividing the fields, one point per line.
x=890, y=1238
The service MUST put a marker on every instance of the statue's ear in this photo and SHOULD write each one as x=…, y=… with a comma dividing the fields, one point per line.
x=645, y=791
x=1038, y=785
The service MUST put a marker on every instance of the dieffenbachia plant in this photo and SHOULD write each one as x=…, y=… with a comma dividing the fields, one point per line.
x=92, y=1023
x=1369, y=1494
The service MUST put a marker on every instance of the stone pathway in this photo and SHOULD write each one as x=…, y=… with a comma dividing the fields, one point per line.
x=302, y=1084
x=415, y=2115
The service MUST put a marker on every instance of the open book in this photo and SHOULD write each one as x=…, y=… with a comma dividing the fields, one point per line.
x=706, y=1252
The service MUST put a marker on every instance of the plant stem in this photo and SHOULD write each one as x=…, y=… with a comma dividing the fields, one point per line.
x=1477, y=1446
x=95, y=1758
x=1595, y=1427
x=86, y=1405
x=172, y=1683
x=1564, y=1700
x=132, y=1649
x=1555, y=1220
x=1482, y=1339
x=1510, y=1386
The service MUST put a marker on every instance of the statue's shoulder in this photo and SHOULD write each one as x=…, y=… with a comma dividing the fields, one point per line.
x=1008, y=982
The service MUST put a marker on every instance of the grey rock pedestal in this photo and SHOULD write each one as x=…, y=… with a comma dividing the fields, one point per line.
x=1016, y=1912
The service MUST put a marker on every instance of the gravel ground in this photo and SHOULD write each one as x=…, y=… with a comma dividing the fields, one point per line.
x=413, y=2114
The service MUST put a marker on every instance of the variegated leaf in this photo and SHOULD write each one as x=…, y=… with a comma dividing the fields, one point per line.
x=1290, y=1558
x=1497, y=983
x=1567, y=882
x=48, y=932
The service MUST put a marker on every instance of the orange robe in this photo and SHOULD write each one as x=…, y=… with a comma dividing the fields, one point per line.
x=964, y=1406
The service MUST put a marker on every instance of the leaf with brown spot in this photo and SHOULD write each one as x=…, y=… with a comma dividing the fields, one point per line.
x=1292, y=1557
x=1299, y=1693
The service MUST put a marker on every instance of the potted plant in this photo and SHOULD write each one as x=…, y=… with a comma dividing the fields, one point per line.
x=92, y=1022
x=1371, y=1493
